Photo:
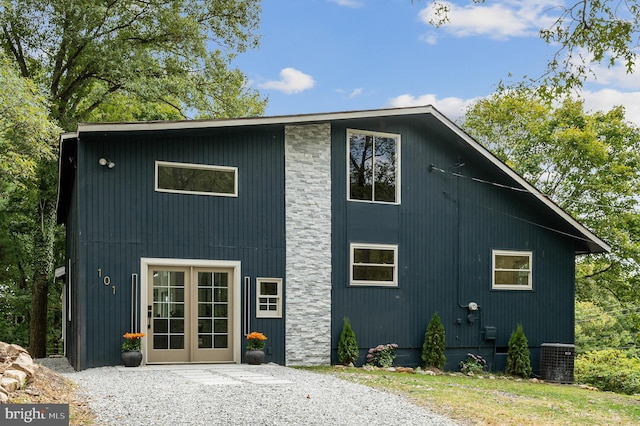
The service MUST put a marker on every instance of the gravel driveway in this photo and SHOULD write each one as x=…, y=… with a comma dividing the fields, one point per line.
x=236, y=395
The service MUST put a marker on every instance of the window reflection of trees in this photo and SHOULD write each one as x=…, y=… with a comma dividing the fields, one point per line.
x=372, y=167
x=196, y=180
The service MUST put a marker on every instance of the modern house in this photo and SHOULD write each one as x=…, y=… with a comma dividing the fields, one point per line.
x=199, y=232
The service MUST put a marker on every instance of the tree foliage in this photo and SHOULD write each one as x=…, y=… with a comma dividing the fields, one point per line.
x=26, y=132
x=587, y=163
x=434, y=343
x=605, y=326
x=587, y=33
x=175, y=53
x=27, y=137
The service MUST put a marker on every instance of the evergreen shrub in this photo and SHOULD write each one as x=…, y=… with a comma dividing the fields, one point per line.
x=347, y=345
x=434, y=344
x=518, y=356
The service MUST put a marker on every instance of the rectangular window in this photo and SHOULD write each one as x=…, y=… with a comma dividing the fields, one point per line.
x=269, y=297
x=512, y=270
x=374, y=166
x=374, y=265
x=198, y=179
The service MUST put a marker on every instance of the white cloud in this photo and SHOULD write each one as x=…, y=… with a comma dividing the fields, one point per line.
x=600, y=100
x=355, y=93
x=291, y=81
x=452, y=107
x=606, y=99
x=348, y=3
x=429, y=38
x=518, y=18
x=616, y=76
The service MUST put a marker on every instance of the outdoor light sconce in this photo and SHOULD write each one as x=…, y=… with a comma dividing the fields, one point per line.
x=106, y=162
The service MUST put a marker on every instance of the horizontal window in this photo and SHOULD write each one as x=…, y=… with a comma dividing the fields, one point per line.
x=373, y=166
x=269, y=298
x=198, y=179
x=374, y=265
x=512, y=270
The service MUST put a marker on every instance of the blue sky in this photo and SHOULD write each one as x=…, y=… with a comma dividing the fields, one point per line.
x=342, y=55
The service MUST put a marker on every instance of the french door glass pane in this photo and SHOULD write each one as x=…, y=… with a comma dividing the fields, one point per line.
x=213, y=310
x=168, y=310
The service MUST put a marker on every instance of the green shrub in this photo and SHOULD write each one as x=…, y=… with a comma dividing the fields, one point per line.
x=347, y=345
x=382, y=355
x=518, y=356
x=609, y=370
x=434, y=344
x=473, y=364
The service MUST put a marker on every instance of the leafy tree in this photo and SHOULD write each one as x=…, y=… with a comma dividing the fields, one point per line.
x=601, y=326
x=434, y=343
x=174, y=52
x=166, y=58
x=518, y=356
x=587, y=33
x=347, y=345
x=26, y=141
x=587, y=163
x=26, y=132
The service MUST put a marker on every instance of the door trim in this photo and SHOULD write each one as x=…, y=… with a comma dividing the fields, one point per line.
x=235, y=265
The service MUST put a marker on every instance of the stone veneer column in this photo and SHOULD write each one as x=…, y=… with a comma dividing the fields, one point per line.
x=308, y=241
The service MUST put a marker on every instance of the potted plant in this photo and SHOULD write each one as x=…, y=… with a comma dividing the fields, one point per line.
x=255, y=345
x=131, y=355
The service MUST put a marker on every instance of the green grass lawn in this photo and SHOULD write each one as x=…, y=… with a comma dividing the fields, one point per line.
x=496, y=400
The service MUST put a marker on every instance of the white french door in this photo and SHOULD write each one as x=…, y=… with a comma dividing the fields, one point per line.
x=191, y=314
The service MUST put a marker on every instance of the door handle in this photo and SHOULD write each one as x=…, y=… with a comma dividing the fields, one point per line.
x=149, y=309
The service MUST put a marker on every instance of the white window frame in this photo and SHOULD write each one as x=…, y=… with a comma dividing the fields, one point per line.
x=374, y=134
x=158, y=164
x=518, y=253
x=354, y=246
x=269, y=314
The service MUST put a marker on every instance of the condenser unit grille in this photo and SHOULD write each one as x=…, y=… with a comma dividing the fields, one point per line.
x=557, y=362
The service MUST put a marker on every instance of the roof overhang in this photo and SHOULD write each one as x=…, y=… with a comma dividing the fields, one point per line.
x=590, y=243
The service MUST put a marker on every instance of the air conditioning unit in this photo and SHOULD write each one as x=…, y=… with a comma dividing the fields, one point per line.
x=557, y=362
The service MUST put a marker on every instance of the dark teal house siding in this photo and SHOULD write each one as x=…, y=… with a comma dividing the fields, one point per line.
x=124, y=219
x=446, y=227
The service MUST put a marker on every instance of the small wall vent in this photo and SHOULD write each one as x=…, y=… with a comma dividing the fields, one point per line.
x=557, y=362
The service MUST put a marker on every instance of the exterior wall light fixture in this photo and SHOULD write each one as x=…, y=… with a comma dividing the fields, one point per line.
x=106, y=162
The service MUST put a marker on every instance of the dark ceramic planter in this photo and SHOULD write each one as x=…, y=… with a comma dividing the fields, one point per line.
x=254, y=356
x=131, y=358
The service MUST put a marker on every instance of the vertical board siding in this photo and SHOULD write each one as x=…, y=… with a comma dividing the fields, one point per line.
x=446, y=228
x=129, y=220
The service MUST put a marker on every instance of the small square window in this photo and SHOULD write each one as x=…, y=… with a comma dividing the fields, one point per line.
x=268, y=298
x=374, y=265
x=512, y=270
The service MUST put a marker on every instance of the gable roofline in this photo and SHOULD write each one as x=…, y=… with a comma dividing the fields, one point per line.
x=250, y=121
x=594, y=243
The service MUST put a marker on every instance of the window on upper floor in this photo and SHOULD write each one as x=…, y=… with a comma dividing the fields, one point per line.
x=512, y=270
x=373, y=166
x=200, y=179
x=374, y=265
